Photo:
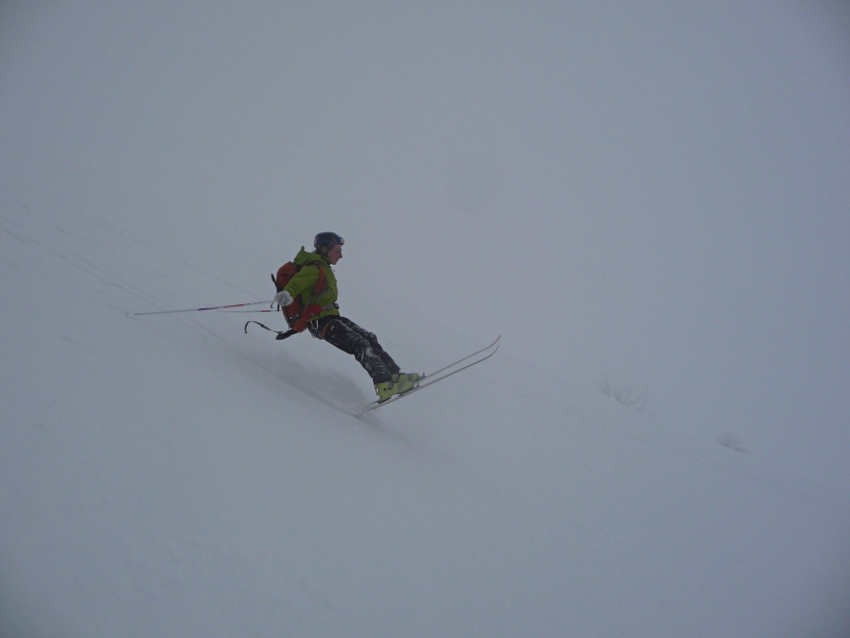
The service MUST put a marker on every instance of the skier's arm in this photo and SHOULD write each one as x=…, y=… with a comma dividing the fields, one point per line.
x=303, y=282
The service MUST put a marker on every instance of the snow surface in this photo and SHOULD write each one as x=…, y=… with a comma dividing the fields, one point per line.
x=172, y=476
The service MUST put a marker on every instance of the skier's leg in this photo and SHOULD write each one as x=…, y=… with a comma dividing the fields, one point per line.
x=354, y=340
x=385, y=357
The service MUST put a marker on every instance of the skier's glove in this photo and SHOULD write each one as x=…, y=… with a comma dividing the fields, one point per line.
x=283, y=298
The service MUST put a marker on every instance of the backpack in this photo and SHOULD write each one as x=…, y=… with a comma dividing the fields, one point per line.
x=297, y=316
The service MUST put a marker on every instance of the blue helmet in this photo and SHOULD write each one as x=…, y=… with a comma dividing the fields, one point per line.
x=327, y=241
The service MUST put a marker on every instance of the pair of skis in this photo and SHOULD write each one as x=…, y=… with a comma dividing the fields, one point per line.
x=443, y=373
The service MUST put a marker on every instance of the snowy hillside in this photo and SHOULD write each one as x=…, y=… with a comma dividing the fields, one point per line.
x=172, y=476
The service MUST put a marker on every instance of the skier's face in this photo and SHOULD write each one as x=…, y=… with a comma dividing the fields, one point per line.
x=335, y=254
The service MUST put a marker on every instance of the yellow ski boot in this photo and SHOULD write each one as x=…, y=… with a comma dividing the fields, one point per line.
x=401, y=383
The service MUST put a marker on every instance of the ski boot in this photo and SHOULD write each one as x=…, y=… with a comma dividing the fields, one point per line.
x=401, y=383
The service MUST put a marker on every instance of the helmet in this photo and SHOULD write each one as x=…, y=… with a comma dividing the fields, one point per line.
x=327, y=241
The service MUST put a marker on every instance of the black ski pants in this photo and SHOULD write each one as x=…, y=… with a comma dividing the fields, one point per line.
x=354, y=340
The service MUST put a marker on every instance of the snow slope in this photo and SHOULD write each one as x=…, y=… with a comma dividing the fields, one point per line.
x=171, y=476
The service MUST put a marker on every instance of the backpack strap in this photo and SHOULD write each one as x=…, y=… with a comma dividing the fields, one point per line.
x=323, y=280
x=280, y=333
x=320, y=286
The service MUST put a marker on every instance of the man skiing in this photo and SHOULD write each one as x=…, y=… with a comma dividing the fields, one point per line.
x=315, y=285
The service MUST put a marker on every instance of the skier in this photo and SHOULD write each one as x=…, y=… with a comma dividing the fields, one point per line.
x=328, y=325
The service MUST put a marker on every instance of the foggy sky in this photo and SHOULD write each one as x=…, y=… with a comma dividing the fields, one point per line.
x=656, y=192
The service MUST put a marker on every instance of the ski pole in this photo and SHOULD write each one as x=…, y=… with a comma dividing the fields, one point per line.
x=233, y=305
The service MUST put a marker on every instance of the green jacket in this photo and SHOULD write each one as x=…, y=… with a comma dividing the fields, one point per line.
x=305, y=282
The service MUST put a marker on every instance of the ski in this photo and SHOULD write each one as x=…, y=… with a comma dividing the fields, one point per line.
x=438, y=375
